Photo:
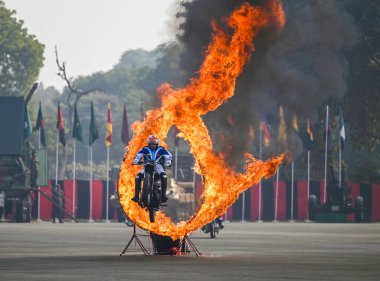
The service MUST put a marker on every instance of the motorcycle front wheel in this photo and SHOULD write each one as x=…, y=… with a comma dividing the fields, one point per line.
x=212, y=230
x=145, y=195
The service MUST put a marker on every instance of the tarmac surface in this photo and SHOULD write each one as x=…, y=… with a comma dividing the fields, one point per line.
x=241, y=251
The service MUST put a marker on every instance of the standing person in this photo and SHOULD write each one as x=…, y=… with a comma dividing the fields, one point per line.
x=58, y=200
x=152, y=152
x=34, y=163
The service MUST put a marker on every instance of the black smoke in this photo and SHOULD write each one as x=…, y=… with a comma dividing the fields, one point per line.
x=298, y=68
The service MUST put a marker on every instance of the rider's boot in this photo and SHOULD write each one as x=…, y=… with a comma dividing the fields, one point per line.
x=138, y=181
x=164, y=184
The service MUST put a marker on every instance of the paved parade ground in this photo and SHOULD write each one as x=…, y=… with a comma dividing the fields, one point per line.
x=242, y=251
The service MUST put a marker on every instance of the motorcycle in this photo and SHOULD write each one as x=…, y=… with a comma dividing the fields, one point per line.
x=213, y=227
x=151, y=190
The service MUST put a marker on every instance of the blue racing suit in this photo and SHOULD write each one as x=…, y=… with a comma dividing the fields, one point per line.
x=153, y=154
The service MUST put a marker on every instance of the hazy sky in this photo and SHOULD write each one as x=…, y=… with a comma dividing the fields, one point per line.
x=91, y=35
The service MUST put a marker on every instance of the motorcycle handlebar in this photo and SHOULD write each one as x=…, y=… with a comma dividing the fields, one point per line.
x=144, y=162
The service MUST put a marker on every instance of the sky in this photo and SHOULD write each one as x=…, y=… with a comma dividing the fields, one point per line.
x=91, y=35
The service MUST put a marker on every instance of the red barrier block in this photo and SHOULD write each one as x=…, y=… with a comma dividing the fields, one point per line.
x=355, y=191
x=68, y=187
x=229, y=213
x=281, y=200
x=322, y=198
x=45, y=204
x=302, y=200
x=375, y=202
x=97, y=199
x=198, y=190
x=254, y=200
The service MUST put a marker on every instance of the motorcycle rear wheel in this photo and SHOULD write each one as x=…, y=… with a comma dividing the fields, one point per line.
x=212, y=230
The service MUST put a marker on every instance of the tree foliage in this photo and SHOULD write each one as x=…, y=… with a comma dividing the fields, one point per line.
x=362, y=101
x=135, y=77
x=21, y=55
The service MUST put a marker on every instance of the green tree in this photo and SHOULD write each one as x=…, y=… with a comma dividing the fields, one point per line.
x=362, y=101
x=21, y=55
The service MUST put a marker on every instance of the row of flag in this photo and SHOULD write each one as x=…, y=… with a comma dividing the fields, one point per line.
x=94, y=134
x=77, y=127
x=309, y=135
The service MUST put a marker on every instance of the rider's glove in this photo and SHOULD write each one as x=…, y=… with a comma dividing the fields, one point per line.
x=168, y=164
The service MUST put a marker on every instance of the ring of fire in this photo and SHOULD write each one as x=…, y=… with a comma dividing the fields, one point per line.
x=226, y=56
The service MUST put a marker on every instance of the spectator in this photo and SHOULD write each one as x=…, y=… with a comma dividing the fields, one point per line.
x=34, y=163
x=58, y=200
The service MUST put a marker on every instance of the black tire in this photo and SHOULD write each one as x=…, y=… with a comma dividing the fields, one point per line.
x=147, y=186
x=312, y=207
x=24, y=209
x=359, y=209
x=29, y=209
x=19, y=210
x=152, y=215
x=212, y=230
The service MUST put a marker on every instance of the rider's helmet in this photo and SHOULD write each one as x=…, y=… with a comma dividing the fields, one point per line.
x=153, y=141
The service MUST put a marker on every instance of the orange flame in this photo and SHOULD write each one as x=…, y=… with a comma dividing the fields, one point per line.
x=226, y=56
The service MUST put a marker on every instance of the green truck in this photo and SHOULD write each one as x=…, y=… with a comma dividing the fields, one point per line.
x=19, y=162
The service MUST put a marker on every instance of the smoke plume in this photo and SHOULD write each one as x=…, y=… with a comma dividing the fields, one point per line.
x=298, y=68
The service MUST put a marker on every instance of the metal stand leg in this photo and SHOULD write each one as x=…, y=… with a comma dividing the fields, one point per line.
x=186, y=239
x=134, y=236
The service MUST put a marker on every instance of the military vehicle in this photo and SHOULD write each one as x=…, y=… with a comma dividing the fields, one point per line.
x=17, y=172
x=339, y=202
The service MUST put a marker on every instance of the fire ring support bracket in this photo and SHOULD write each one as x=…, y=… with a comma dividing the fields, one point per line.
x=185, y=241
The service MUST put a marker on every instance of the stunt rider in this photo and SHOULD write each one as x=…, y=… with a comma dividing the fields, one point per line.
x=152, y=152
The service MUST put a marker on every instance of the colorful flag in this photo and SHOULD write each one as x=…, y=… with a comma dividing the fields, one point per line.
x=342, y=132
x=251, y=134
x=94, y=134
x=125, y=127
x=61, y=127
x=309, y=136
x=295, y=124
x=77, y=127
x=266, y=132
x=27, y=124
x=40, y=126
x=109, y=127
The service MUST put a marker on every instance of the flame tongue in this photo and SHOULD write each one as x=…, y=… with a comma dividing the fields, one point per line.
x=224, y=62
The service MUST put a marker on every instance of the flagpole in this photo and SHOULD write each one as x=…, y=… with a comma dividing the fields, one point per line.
x=276, y=197
x=326, y=144
x=291, y=195
x=194, y=186
x=243, y=208
x=91, y=220
x=39, y=188
x=308, y=183
x=340, y=163
x=56, y=161
x=260, y=156
x=74, y=176
x=107, y=194
x=176, y=162
x=342, y=138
